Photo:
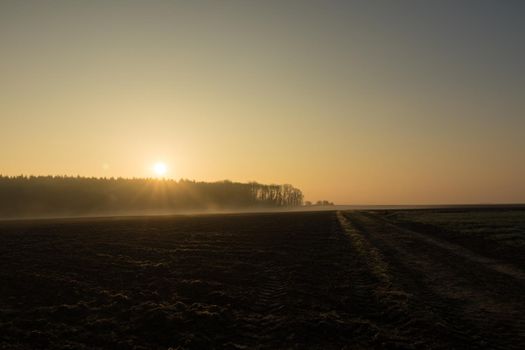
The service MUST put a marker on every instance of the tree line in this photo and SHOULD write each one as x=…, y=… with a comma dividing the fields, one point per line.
x=64, y=195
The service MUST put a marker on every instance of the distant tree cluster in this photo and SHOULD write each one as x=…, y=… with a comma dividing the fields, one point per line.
x=323, y=203
x=63, y=195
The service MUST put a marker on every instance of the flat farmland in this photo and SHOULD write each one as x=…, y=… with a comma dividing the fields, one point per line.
x=316, y=280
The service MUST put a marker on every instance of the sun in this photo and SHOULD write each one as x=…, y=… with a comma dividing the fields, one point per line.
x=160, y=169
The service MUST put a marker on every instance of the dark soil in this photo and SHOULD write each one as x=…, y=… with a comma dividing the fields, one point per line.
x=316, y=280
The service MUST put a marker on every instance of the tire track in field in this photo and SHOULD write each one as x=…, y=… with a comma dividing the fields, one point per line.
x=468, y=299
x=460, y=251
x=271, y=293
x=397, y=312
x=319, y=292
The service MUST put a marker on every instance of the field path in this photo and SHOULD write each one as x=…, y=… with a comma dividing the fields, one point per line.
x=477, y=301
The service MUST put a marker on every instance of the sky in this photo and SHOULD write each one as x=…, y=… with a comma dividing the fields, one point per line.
x=356, y=102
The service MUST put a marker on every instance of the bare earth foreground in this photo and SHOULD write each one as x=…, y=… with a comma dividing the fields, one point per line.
x=326, y=280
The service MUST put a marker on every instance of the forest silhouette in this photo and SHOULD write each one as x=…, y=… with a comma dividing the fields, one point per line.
x=36, y=196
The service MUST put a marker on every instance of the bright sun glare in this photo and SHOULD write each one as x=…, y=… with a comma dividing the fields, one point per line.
x=160, y=168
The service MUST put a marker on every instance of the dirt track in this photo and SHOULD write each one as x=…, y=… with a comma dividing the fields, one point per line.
x=321, y=280
x=473, y=301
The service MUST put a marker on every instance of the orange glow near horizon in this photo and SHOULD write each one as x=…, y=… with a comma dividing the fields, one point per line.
x=351, y=102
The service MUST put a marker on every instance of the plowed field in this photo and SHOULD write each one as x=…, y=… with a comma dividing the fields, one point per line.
x=316, y=280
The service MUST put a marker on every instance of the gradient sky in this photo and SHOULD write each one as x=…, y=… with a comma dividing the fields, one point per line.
x=358, y=102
